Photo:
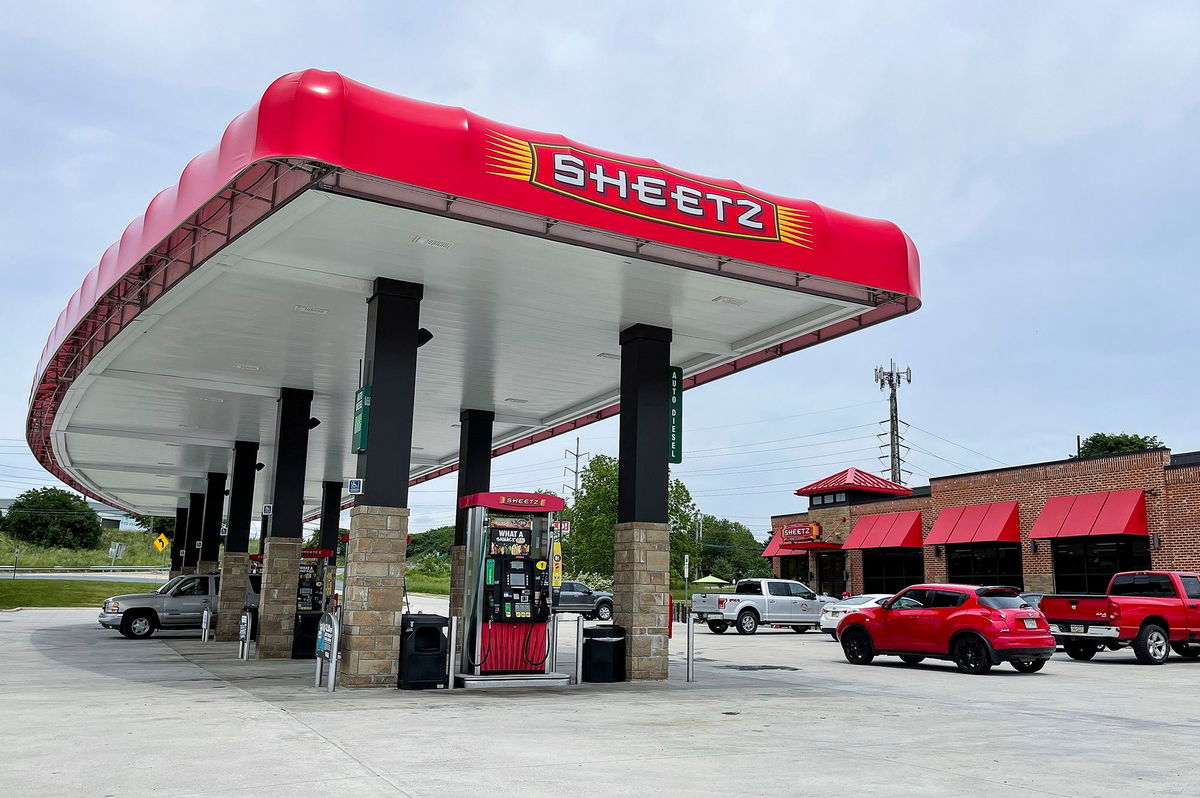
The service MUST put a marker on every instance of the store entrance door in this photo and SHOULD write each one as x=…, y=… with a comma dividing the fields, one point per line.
x=831, y=573
x=794, y=566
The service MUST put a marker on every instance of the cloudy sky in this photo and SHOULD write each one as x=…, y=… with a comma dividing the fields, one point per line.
x=1043, y=157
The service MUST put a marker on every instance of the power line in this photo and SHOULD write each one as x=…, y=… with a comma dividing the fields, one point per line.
x=959, y=445
x=781, y=440
x=781, y=418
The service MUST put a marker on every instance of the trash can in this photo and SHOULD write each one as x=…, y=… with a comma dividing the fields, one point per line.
x=424, y=652
x=604, y=653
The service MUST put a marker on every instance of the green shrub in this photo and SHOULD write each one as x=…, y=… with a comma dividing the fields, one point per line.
x=52, y=517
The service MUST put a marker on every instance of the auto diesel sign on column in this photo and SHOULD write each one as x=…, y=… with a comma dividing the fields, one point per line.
x=362, y=419
x=675, y=445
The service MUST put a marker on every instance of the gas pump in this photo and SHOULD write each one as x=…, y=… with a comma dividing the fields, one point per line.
x=508, y=583
x=311, y=589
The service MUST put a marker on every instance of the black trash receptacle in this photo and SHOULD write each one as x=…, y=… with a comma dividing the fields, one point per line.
x=604, y=653
x=424, y=651
x=304, y=634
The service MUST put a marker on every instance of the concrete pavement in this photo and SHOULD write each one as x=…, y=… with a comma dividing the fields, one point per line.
x=85, y=712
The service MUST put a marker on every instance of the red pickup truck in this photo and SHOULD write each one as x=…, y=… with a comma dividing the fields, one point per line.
x=1155, y=612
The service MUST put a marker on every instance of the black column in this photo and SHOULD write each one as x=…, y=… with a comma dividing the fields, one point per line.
x=241, y=496
x=179, y=538
x=331, y=513
x=291, y=452
x=214, y=514
x=474, y=462
x=191, y=554
x=390, y=369
x=645, y=415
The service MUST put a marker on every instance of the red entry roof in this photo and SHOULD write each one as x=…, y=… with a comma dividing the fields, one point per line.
x=887, y=531
x=976, y=523
x=1121, y=512
x=776, y=548
x=853, y=479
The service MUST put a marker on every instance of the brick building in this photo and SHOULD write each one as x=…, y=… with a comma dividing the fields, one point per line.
x=1066, y=526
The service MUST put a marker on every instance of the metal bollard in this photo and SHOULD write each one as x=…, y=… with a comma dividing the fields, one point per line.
x=691, y=651
x=552, y=633
x=205, y=625
x=579, y=649
x=453, y=652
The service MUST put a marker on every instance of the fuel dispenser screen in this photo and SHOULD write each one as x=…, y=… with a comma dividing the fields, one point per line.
x=310, y=593
x=516, y=589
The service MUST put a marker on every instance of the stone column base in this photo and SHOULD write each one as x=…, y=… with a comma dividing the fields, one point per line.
x=207, y=567
x=373, y=606
x=232, y=598
x=1039, y=583
x=641, y=585
x=458, y=585
x=277, y=606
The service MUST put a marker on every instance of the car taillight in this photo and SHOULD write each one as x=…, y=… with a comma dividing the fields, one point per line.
x=1114, y=611
x=998, y=615
x=721, y=603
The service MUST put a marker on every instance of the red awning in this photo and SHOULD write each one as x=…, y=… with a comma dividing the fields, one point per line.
x=1121, y=512
x=976, y=523
x=887, y=531
x=778, y=548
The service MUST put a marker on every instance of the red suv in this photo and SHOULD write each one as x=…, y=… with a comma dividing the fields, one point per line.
x=977, y=627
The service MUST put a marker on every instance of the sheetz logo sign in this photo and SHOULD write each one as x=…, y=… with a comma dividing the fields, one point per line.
x=521, y=501
x=801, y=533
x=648, y=192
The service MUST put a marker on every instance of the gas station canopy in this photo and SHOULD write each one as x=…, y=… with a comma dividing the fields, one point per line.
x=534, y=251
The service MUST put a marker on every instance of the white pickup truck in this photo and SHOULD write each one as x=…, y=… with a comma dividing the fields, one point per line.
x=758, y=601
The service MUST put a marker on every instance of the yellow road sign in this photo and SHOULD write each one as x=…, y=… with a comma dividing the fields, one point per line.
x=161, y=542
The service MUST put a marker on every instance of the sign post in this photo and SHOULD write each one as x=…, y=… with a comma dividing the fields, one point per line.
x=675, y=450
x=116, y=549
x=245, y=630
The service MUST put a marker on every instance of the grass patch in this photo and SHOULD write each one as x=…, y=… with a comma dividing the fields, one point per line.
x=138, y=551
x=64, y=592
x=420, y=583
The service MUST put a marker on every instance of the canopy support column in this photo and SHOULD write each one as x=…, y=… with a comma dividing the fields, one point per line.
x=210, y=528
x=235, y=564
x=642, y=556
x=191, y=554
x=373, y=609
x=178, y=541
x=281, y=553
x=474, y=476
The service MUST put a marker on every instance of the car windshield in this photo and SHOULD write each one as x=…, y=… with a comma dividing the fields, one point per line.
x=169, y=586
x=1003, y=602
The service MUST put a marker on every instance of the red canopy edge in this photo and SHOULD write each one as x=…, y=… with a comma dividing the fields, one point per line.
x=311, y=124
x=997, y=522
x=1121, y=512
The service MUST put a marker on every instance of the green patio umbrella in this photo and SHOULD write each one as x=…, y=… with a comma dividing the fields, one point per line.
x=709, y=580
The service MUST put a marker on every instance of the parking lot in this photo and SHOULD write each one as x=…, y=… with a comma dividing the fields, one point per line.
x=86, y=712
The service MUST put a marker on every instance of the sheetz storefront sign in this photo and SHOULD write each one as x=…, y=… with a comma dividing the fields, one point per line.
x=801, y=533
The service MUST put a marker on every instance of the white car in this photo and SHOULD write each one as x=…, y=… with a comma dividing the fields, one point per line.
x=832, y=613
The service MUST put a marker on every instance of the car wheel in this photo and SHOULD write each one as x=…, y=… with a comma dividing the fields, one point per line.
x=1028, y=665
x=1187, y=650
x=1152, y=645
x=1082, y=650
x=137, y=626
x=718, y=627
x=604, y=611
x=799, y=629
x=911, y=659
x=971, y=655
x=856, y=645
x=747, y=623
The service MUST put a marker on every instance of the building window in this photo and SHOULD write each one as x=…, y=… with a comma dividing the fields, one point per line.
x=892, y=570
x=841, y=497
x=816, y=500
x=1087, y=565
x=985, y=564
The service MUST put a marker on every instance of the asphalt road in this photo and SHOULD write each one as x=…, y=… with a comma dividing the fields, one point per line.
x=776, y=713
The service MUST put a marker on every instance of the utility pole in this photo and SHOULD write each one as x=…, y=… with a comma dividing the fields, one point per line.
x=891, y=380
x=574, y=471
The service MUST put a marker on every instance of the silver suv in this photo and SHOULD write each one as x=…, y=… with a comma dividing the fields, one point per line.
x=179, y=604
